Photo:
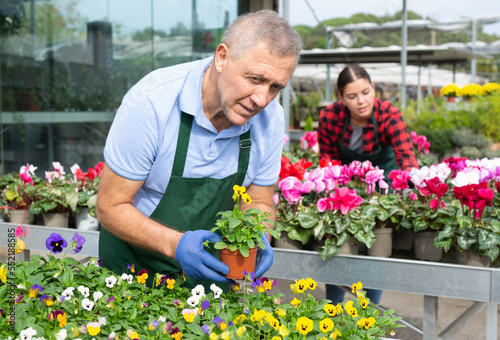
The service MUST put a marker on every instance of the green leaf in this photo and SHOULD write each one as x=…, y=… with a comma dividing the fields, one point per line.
x=487, y=240
x=419, y=225
x=319, y=230
x=328, y=250
x=307, y=220
x=233, y=223
x=220, y=245
x=244, y=251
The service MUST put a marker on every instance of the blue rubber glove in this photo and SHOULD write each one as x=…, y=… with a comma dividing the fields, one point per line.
x=196, y=262
x=265, y=258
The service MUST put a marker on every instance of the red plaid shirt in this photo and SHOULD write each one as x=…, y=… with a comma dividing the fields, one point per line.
x=391, y=130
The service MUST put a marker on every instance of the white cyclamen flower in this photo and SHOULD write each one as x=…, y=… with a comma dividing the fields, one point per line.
x=84, y=291
x=97, y=295
x=110, y=281
x=217, y=291
x=465, y=178
x=27, y=334
x=193, y=301
x=87, y=304
x=198, y=291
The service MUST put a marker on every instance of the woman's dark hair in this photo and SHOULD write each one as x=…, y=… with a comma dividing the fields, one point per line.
x=349, y=74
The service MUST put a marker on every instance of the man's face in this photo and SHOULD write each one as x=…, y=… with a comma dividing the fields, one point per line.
x=248, y=84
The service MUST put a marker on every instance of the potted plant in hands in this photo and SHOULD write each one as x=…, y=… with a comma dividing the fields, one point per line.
x=18, y=190
x=242, y=232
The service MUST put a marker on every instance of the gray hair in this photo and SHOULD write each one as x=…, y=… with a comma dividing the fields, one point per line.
x=263, y=26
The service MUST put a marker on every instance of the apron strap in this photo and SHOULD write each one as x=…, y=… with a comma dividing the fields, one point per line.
x=346, y=122
x=183, y=144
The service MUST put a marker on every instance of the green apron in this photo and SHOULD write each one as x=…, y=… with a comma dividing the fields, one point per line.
x=187, y=204
x=383, y=156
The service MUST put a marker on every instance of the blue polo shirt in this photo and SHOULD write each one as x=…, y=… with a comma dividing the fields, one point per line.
x=142, y=140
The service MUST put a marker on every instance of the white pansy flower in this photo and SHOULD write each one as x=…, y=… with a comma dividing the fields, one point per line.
x=217, y=291
x=130, y=278
x=62, y=334
x=27, y=334
x=162, y=319
x=110, y=281
x=68, y=292
x=102, y=320
x=84, y=291
x=199, y=291
x=97, y=295
x=193, y=301
x=87, y=304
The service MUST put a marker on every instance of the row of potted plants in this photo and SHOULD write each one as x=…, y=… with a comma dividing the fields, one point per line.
x=24, y=195
x=59, y=298
x=458, y=200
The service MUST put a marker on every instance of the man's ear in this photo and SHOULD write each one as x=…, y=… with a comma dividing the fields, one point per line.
x=221, y=57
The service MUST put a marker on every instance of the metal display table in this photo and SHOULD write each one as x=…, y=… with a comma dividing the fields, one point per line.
x=430, y=279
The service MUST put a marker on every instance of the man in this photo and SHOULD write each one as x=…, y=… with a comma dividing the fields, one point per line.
x=182, y=138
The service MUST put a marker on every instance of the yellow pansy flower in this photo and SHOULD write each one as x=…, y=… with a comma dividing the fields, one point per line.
x=189, y=317
x=213, y=336
x=225, y=335
x=351, y=310
x=304, y=325
x=276, y=337
x=62, y=320
x=283, y=331
x=356, y=287
x=281, y=312
x=335, y=334
x=93, y=330
x=293, y=287
x=239, y=319
x=339, y=308
x=3, y=273
x=177, y=336
x=364, y=303
x=170, y=283
x=241, y=330
x=311, y=284
x=238, y=190
x=273, y=322
x=20, y=245
x=326, y=325
x=366, y=322
x=295, y=302
x=246, y=198
x=330, y=309
x=300, y=285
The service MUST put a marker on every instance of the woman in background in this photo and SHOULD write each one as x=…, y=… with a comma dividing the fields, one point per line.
x=361, y=127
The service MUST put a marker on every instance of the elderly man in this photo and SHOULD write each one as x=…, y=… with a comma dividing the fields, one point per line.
x=183, y=136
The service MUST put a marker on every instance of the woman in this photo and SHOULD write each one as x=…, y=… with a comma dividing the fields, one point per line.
x=361, y=127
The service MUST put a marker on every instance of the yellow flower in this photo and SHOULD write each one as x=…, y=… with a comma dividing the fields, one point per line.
x=335, y=334
x=356, y=287
x=283, y=330
x=295, y=302
x=239, y=319
x=273, y=322
x=241, y=330
x=326, y=325
x=281, y=312
x=339, y=308
x=20, y=246
x=189, y=317
x=132, y=334
x=304, y=325
x=359, y=294
x=213, y=336
x=235, y=197
x=489, y=88
x=471, y=90
x=170, y=283
x=62, y=320
x=257, y=315
x=300, y=285
x=364, y=303
x=177, y=336
x=94, y=330
x=246, y=198
x=311, y=284
x=268, y=285
x=3, y=273
x=261, y=289
x=351, y=310
x=450, y=90
x=276, y=337
x=225, y=335
x=366, y=322
x=293, y=287
x=330, y=309
x=142, y=278
x=238, y=190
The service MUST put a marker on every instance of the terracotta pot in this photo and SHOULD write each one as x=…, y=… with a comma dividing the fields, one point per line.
x=237, y=263
x=286, y=242
x=59, y=220
x=468, y=258
x=350, y=247
x=423, y=246
x=16, y=216
x=382, y=247
x=451, y=99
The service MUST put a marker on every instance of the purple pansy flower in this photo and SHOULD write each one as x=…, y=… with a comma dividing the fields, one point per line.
x=205, y=329
x=76, y=243
x=205, y=304
x=55, y=243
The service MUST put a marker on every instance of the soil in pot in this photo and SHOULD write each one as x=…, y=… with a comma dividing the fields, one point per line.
x=237, y=263
x=423, y=246
x=382, y=247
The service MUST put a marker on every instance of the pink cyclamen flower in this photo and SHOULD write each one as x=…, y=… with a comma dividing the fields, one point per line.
x=421, y=142
x=25, y=175
x=399, y=179
x=371, y=179
x=345, y=200
x=316, y=177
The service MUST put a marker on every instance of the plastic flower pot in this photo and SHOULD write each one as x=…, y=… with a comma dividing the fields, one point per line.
x=382, y=247
x=16, y=216
x=84, y=221
x=237, y=263
x=58, y=220
x=468, y=258
x=423, y=246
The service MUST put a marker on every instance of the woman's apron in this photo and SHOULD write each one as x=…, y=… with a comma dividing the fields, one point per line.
x=383, y=156
x=187, y=204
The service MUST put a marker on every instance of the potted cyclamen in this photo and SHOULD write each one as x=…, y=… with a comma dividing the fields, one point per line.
x=86, y=184
x=242, y=233
x=55, y=198
x=18, y=190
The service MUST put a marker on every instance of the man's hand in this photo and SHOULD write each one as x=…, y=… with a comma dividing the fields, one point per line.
x=196, y=262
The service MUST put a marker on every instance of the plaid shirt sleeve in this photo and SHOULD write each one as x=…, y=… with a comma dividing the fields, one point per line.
x=392, y=129
x=330, y=125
